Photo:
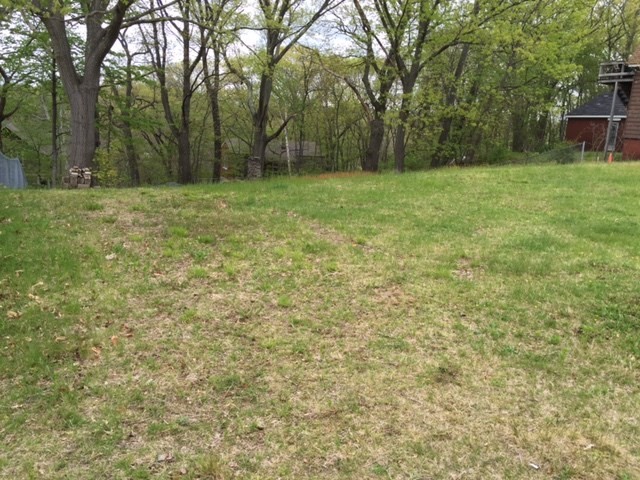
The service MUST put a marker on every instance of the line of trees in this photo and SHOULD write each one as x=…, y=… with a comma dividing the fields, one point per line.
x=179, y=90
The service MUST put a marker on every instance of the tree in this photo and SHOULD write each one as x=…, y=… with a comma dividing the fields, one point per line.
x=17, y=49
x=157, y=44
x=217, y=20
x=81, y=77
x=126, y=102
x=421, y=17
x=537, y=58
x=378, y=75
x=5, y=87
x=341, y=118
x=506, y=85
x=431, y=81
x=282, y=23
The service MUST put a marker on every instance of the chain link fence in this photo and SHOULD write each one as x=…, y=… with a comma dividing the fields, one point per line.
x=565, y=154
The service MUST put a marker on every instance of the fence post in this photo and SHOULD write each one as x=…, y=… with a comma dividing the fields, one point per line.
x=582, y=152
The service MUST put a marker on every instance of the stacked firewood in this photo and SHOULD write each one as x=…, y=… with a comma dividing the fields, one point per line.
x=254, y=168
x=78, y=178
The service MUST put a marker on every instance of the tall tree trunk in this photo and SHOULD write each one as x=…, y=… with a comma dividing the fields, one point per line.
x=399, y=145
x=129, y=146
x=451, y=99
x=184, y=157
x=258, y=153
x=217, y=119
x=184, y=145
x=127, y=112
x=374, y=146
x=157, y=48
x=131, y=154
x=541, y=129
x=54, y=125
x=102, y=27
x=215, y=34
x=260, y=120
x=518, y=129
x=376, y=122
x=408, y=79
x=302, y=118
x=281, y=33
x=83, y=101
x=212, y=82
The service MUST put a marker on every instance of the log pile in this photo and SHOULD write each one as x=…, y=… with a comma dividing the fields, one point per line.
x=77, y=178
x=254, y=168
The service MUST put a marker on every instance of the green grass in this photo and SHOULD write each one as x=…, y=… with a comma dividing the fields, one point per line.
x=458, y=323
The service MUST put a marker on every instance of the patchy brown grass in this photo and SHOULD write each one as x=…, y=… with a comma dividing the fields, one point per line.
x=251, y=331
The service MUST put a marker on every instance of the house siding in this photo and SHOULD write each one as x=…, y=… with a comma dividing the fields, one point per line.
x=592, y=131
x=631, y=149
x=633, y=111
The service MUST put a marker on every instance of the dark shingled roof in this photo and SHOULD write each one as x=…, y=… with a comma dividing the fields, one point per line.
x=601, y=107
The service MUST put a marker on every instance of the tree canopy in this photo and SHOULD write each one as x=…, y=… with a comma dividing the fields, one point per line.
x=193, y=90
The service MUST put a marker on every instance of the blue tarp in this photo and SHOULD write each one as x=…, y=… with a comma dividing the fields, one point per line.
x=11, y=173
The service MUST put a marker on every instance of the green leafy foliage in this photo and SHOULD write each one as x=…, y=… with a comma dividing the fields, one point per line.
x=492, y=76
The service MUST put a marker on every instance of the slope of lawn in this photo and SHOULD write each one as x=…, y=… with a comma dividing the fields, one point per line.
x=479, y=323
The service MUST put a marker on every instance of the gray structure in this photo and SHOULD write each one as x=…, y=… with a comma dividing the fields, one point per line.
x=11, y=173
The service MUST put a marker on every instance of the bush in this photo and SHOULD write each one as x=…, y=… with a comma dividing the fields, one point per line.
x=496, y=154
x=106, y=169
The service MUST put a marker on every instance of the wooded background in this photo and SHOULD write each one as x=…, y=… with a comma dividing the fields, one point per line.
x=152, y=91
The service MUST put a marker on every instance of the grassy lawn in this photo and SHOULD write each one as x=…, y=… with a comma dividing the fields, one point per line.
x=478, y=323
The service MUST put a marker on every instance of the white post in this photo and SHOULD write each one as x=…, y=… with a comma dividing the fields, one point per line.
x=582, y=152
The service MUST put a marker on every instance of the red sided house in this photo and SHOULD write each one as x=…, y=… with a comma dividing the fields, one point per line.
x=589, y=123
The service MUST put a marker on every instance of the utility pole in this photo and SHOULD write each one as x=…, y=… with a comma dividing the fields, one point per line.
x=610, y=125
